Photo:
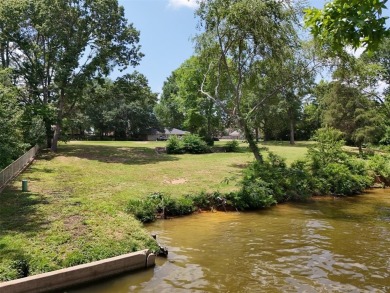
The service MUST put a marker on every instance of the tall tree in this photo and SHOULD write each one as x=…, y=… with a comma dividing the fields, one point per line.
x=59, y=46
x=182, y=102
x=240, y=35
x=168, y=109
x=124, y=107
x=347, y=109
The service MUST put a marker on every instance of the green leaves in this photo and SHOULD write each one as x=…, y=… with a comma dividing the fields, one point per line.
x=243, y=40
x=59, y=46
x=11, y=139
x=124, y=107
x=349, y=22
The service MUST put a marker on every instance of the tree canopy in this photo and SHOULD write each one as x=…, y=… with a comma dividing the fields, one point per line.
x=245, y=43
x=57, y=47
x=357, y=23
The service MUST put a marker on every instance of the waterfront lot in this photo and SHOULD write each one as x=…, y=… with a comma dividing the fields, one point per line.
x=75, y=210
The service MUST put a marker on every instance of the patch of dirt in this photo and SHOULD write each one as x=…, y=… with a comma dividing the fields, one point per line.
x=176, y=181
x=75, y=225
x=118, y=236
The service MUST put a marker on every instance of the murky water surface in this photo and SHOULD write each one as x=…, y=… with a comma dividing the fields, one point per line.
x=328, y=245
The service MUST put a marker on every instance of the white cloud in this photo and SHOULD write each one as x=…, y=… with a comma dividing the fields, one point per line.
x=183, y=3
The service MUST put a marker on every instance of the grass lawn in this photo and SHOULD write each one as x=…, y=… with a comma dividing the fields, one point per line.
x=75, y=210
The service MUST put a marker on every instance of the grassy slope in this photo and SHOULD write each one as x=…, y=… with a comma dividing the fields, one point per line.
x=74, y=211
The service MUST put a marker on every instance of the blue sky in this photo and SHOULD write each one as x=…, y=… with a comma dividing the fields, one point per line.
x=167, y=28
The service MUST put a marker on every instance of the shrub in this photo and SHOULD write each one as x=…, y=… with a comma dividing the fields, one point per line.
x=299, y=182
x=203, y=200
x=179, y=206
x=328, y=148
x=209, y=140
x=332, y=169
x=147, y=209
x=343, y=181
x=175, y=145
x=193, y=144
x=379, y=166
x=273, y=181
x=212, y=200
x=144, y=210
x=232, y=146
x=254, y=194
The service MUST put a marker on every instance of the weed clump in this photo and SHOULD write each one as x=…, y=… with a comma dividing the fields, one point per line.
x=159, y=205
x=22, y=267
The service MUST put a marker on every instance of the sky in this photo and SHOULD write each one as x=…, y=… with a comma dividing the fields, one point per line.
x=167, y=29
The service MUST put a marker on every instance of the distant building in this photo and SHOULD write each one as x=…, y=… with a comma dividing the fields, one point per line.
x=233, y=135
x=157, y=135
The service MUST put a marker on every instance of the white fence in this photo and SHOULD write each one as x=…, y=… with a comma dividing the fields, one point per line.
x=17, y=166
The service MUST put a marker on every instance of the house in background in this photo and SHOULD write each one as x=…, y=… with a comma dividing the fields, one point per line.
x=158, y=135
x=233, y=135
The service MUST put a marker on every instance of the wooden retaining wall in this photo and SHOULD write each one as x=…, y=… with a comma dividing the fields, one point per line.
x=80, y=274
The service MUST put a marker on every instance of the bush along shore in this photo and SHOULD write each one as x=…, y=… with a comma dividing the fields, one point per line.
x=327, y=170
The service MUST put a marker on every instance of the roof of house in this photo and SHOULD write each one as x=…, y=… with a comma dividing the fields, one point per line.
x=235, y=133
x=175, y=131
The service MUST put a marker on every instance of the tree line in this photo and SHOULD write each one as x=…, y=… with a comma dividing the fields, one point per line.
x=256, y=70
x=55, y=57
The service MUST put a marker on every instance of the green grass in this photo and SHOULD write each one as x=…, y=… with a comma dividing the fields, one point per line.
x=74, y=211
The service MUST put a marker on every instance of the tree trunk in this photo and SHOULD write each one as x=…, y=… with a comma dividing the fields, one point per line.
x=249, y=138
x=257, y=134
x=56, y=136
x=57, y=130
x=209, y=111
x=292, y=131
x=360, y=146
x=265, y=131
x=48, y=132
x=4, y=52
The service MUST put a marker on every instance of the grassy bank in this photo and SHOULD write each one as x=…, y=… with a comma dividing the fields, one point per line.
x=74, y=211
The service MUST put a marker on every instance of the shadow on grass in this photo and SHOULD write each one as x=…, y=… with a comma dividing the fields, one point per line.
x=239, y=166
x=111, y=154
x=19, y=212
x=298, y=144
x=31, y=172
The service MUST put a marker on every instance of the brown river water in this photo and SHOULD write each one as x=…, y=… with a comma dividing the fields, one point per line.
x=326, y=245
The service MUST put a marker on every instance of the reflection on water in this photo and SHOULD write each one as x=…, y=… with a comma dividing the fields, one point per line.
x=328, y=245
